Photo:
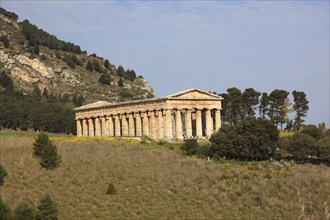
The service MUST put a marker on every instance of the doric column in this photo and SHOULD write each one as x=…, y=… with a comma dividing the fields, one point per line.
x=110, y=129
x=217, y=120
x=97, y=127
x=199, y=132
x=145, y=124
x=124, y=125
x=178, y=124
x=208, y=123
x=138, y=124
x=117, y=126
x=168, y=124
x=91, y=127
x=188, y=123
x=131, y=130
x=153, y=131
x=160, y=125
x=85, y=127
x=79, y=133
x=104, y=127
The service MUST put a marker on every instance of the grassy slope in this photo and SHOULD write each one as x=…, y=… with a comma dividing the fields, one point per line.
x=157, y=182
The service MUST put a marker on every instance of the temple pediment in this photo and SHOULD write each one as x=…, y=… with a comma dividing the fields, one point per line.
x=194, y=94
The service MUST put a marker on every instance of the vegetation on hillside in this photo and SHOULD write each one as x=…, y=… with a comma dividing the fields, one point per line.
x=276, y=106
x=35, y=58
x=157, y=181
x=37, y=111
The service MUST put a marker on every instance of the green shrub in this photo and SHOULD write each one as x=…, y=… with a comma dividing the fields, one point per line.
x=111, y=189
x=324, y=148
x=39, y=144
x=49, y=158
x=190, y=147
x=313, y=131
x=24, y=212
x=250, y=139
x=4, y=211
x=302, y=146
x=46, y=209
x=3, y=173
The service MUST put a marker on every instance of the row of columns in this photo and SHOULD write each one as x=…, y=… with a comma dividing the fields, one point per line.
x=158, y=124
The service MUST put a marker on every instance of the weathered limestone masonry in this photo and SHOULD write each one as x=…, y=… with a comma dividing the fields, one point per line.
x=190, y=113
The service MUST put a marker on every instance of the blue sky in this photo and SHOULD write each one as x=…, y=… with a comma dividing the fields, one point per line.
x=210, y=45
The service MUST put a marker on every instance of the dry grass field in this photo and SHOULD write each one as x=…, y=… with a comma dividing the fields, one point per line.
x=158, y=182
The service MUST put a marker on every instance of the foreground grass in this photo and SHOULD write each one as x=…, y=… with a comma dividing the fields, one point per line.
x=158, y=182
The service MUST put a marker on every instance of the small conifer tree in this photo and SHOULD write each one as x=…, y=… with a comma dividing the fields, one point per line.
x=24, y=212
x=111, y=189
x=3, y=173
x=46, y=209
x=50, y=158
x=39, y=144
x=4, y=210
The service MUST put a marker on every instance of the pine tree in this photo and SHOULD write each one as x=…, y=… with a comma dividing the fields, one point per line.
x=46, y=209
x=263, y=106
x=235, y=112
x=39, y=144
x=49, y=158
x=276, y=113
x=301, y=108
x=250, y=99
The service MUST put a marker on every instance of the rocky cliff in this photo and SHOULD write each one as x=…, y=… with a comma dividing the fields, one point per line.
x=32, y=63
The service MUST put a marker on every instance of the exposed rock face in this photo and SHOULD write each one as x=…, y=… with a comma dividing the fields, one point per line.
x=48, y=69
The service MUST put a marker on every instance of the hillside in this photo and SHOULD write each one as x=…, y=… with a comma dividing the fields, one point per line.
x=34, y=59
x=157, y=182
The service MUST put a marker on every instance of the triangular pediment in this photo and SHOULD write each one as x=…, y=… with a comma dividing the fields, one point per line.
x=194, y=94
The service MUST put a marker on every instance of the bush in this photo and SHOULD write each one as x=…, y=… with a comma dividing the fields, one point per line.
x=24, y=212
x=46, y=209
x=3, y=173
x=49, y=158
x=105, y=79
x=250, y=139
x=324, y=148
x=190, y=147
x=313, y=131
x=302, y=146
x=111, y=189
x=39, y=144
x=4, y=211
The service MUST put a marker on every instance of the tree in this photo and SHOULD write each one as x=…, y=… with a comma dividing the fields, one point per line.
x=5, y=41
x=4, y=211
x=250, y=139
x=89, y=66
x=277, y=104
x=49, y=158
x=263, y=106
x=302, y=146
x=3, y=173
x=39, y=144
x=250, y=100
x=5, y=80
x=300, y=106
x=190, y=147
x=121, y=83
x=97, y=66
x=46, y=209
x=224, y=111
x=111, y=189
x=23, y=212
x=36, y=50
x=313, y=131
x=234, y=107
x=105, y=79
x=106, y=63
x=120, y=71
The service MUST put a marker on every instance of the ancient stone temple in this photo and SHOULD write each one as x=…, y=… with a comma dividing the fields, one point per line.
x=190, y=113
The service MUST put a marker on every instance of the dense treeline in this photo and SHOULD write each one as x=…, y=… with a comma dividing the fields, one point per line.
x=36, y=111
x=37, y=36
x=238, y=105
x=9, y=14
